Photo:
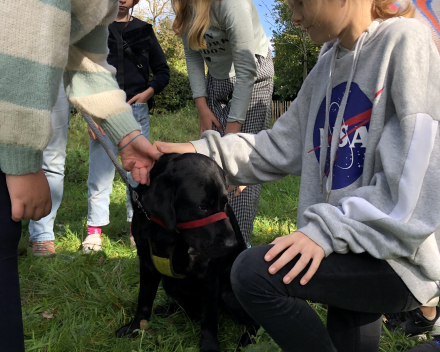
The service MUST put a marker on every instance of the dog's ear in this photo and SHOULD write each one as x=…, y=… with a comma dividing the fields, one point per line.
x=159, y=200
x=236, y=227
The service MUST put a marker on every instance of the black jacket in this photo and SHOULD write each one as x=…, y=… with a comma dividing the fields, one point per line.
x=141, y=38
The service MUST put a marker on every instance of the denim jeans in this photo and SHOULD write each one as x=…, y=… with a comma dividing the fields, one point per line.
x=356, y=287
x=102, y=172
x=54, y=157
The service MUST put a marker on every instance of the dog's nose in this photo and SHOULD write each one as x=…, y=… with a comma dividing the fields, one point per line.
x=230, y=242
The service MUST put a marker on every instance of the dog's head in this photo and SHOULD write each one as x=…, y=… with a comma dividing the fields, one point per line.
x=191, y=187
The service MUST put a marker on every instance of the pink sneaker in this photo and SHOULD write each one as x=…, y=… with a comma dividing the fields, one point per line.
x=93, y=241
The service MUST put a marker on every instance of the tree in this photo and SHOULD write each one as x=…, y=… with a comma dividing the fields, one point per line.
x=153, y=11
x=295, y=53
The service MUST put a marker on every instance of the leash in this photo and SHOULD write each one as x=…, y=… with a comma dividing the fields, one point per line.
x=114, y=159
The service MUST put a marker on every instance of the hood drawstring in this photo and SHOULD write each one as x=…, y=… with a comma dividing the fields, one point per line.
x=335, y=140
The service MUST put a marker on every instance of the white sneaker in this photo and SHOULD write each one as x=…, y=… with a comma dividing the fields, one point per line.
x=93, y=241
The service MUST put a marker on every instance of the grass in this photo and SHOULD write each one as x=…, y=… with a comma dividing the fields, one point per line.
x=75, y=302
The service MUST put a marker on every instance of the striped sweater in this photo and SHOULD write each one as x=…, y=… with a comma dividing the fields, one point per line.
x=39, y=41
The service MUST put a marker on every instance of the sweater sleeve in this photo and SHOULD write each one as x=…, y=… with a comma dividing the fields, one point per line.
x=237, y=20
x=32, y=58
x=159, y=66
x=396, y=214
x=196, y=70
x=257, y=158
x=91, y=86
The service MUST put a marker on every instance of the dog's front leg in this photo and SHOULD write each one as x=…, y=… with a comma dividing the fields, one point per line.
x=209, y=323
x=149, y=282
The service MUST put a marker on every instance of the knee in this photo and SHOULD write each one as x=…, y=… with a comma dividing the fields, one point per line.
x=249, y=273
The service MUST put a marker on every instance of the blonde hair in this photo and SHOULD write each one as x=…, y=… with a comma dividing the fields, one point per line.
x=192, y=16
x=387, y=9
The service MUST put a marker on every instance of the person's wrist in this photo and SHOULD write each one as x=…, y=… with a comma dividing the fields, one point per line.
x=128, y=138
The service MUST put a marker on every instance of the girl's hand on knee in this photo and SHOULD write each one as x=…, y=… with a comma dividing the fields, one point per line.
x=295, y=244
x=179, y=148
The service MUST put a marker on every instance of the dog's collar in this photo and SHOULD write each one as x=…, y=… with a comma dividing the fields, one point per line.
x=196, y=223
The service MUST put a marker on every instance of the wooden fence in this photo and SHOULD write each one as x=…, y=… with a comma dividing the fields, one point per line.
x=279, y=108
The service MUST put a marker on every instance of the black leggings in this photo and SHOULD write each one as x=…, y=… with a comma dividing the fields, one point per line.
x=11, y=325
x=356, y=287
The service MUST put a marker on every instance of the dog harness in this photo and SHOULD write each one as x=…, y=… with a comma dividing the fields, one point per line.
x=165, y=265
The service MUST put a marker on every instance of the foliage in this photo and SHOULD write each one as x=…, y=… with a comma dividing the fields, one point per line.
x=295, y=54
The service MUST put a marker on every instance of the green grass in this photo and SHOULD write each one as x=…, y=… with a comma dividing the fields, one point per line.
x=75, y=302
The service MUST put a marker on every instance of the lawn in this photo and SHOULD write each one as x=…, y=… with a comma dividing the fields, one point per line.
x=75, y=302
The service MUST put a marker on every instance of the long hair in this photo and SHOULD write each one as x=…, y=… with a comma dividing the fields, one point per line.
x=192, y=17
x=387, y=9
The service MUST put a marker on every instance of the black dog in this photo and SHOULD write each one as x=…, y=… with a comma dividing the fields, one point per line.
x=189, y=240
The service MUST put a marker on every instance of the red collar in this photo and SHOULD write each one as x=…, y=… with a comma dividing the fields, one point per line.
x=194, y=224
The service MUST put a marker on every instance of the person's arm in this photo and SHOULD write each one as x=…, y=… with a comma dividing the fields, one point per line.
x=91, y=87
x=160, y=69
x=159, y=66
x=196, y=73
x=396, y=215
x=30, y=76
x=237, y=20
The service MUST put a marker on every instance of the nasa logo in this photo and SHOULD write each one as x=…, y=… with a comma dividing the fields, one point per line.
x=353, y=139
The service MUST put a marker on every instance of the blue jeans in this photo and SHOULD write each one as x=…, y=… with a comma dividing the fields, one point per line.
x=54, y=157
x=102, y=172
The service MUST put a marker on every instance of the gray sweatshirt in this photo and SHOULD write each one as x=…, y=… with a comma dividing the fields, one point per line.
x=383, y=184
x=233, y=40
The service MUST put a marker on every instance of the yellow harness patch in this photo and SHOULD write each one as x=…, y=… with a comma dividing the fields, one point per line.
x=163, y=265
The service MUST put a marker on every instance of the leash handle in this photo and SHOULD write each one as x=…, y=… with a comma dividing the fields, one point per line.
x=115, y=161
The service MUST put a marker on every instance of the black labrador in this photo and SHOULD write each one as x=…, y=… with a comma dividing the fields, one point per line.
x=189, y=241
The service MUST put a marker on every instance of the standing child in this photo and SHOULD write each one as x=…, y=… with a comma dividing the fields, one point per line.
x=38, y=43
x=363, y=135
x=132, y=66
x=227, y=35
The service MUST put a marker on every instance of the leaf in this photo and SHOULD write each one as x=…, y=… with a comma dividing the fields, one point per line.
x=98, y=279
x=48, y=315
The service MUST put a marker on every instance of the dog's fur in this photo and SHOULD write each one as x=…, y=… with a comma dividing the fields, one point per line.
x=185, y=188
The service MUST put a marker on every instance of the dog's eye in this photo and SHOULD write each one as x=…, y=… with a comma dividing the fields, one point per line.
x=202, y=207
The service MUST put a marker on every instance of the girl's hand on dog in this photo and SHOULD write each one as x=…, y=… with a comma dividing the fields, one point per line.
x=30, y=196
x=295, y=244
x=179, y=148
x=138, y=157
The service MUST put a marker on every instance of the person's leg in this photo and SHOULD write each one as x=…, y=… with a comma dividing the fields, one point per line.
x=416, y=322
x=54, y=157
x=258, y=116
x=355, y=286
x=100, y=185
x=11, y=325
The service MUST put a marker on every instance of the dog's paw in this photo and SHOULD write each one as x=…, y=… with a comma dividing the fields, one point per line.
x=129, y=330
